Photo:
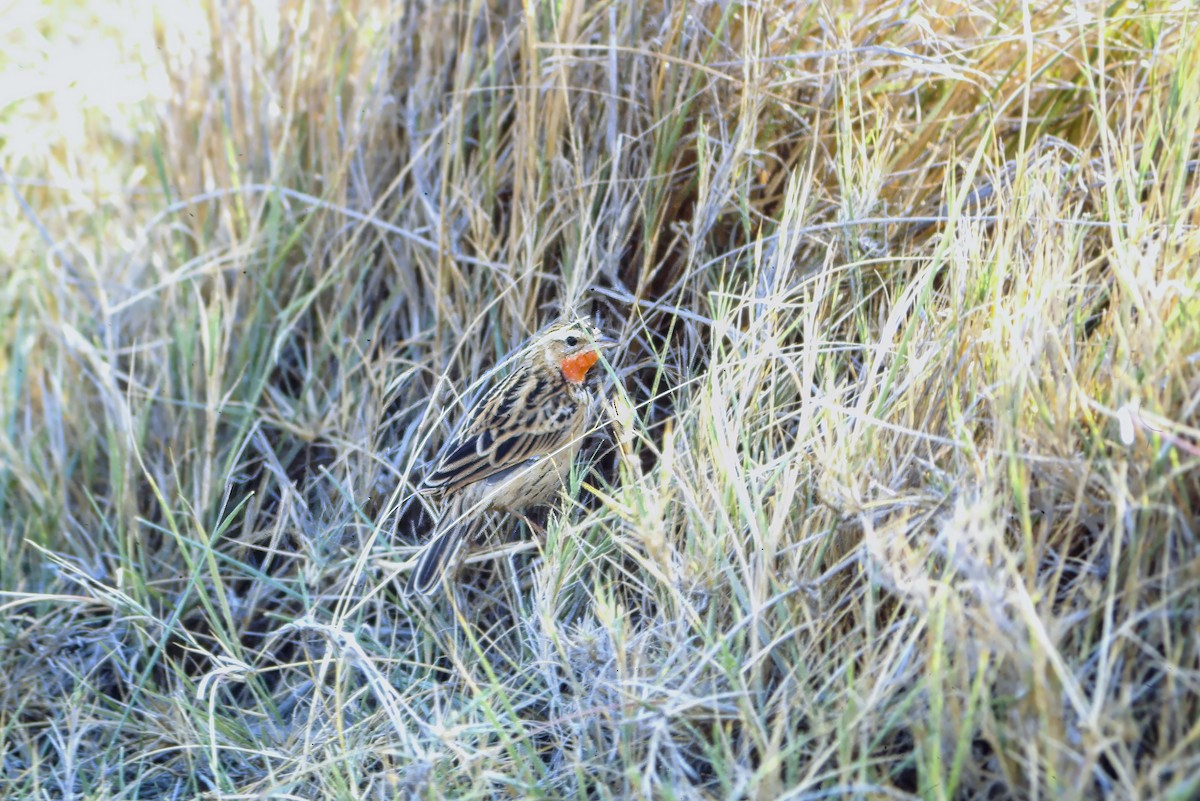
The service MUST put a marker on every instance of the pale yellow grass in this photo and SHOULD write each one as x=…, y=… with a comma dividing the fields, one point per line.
x=894, y=488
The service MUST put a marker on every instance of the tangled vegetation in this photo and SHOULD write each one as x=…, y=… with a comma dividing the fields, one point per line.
x=894, y=484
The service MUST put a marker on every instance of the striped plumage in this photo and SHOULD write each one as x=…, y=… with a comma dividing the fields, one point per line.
x=515, y=447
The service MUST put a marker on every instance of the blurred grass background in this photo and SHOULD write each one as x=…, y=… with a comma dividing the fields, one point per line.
x=894, y=492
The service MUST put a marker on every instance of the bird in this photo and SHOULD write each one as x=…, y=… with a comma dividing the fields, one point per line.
x=514, y=447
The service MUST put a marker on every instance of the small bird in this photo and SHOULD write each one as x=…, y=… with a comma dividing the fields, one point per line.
x=515, y=447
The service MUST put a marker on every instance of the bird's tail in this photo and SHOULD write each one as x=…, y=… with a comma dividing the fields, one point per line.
x=451, y=531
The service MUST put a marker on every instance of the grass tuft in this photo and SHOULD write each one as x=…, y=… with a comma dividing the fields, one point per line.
x=893, y=486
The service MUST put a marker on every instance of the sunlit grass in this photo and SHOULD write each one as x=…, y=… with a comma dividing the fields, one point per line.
x=893, y=485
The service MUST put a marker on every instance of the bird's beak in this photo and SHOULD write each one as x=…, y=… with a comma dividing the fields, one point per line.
x=604, y=341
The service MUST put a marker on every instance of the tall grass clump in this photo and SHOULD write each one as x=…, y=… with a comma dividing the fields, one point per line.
x=894, y=484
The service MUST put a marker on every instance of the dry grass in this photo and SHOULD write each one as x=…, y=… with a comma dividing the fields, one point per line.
x=896, y=495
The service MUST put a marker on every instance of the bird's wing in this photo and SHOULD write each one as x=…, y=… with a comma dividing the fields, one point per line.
x=520, y=419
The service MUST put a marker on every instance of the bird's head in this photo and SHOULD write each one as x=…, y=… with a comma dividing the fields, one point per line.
x=574, y=348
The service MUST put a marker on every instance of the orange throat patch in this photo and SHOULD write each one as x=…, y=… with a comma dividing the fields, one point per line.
x=575, y=368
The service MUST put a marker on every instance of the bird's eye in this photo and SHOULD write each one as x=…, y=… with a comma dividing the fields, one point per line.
x=572, y=341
